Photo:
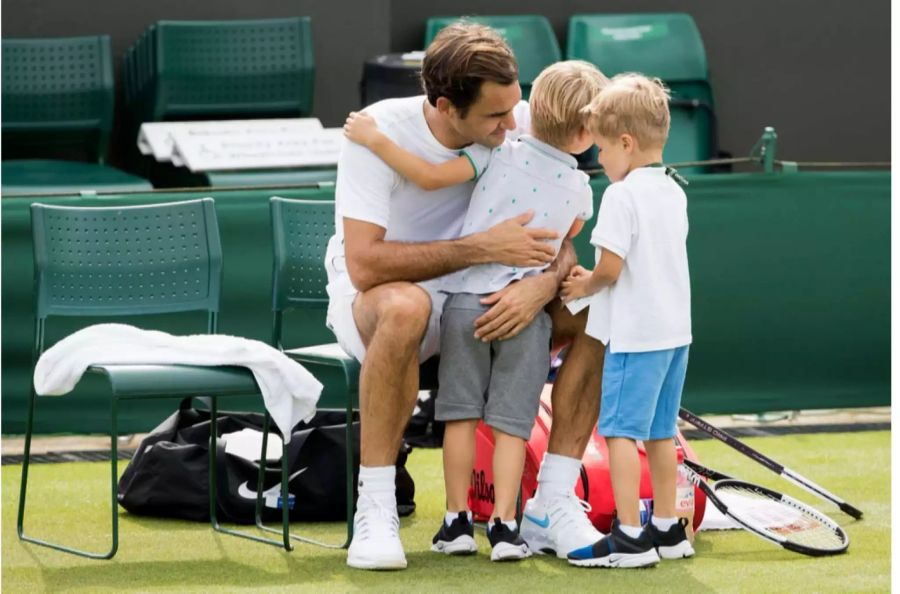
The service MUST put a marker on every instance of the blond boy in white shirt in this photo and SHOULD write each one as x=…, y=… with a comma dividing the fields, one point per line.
x=641, y=311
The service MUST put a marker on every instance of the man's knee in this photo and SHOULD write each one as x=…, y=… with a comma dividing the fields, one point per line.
x=403, y=308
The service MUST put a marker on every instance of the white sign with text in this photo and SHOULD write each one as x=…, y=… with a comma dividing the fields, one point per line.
x=157, y=138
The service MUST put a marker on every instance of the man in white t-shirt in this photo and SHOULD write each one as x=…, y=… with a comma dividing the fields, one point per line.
x=393, y=240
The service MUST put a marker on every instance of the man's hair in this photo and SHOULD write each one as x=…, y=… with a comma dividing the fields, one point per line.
x=461, y=57
x=558, y=97
x=632, y=104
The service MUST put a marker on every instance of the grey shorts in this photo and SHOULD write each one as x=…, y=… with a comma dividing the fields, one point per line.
x=499, y=381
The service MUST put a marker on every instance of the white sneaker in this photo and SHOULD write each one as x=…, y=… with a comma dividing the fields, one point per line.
x=558, y=526
x=376, y=536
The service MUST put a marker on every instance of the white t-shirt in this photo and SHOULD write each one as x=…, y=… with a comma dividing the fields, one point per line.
x=643, y=219
x=520, y=175
x=367, y=189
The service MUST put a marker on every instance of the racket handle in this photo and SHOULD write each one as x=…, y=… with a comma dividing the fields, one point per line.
x=851, y=511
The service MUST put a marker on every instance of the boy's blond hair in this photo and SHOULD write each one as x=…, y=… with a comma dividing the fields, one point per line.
x=559, y=94
x=632, y=104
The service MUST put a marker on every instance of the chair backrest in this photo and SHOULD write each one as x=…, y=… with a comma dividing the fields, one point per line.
x=255, y=68
x=111, y=261
x=300, y=233
x=665, y=45
x=531, y=38
x=57, y=93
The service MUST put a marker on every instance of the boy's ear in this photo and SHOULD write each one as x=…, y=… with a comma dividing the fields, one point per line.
x=628, y=143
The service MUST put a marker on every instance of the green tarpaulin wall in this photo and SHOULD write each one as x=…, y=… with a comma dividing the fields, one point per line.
x=789, y=271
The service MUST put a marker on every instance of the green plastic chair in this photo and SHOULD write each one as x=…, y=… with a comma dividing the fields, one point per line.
x=300, y=232
x=187, y=70
x=58, y=100
x=125, y=261
x=530, y=36
x=664, y=45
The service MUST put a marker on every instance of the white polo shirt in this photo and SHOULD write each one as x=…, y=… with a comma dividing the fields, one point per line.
x=367, y=189
x=520, y=175
x=643, y=219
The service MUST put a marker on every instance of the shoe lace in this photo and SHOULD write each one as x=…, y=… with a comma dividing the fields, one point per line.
x=574, y=513
x=373, y=516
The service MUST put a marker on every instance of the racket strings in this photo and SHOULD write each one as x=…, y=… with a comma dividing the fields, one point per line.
x=784, y=519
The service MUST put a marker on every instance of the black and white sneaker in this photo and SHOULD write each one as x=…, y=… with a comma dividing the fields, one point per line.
x=506, y=543
x=456, y=539
x=617, y=549
x=673, y=543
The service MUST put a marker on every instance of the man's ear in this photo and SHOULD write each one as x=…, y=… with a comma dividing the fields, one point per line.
x=444, y=106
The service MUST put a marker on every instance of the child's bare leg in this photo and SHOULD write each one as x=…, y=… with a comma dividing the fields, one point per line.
x=459, y=459
x=509, y=460
x=625, y=473
x=663, y=469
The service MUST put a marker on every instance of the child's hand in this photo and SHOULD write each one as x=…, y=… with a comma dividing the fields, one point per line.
x=361, y=128
x=576, y=285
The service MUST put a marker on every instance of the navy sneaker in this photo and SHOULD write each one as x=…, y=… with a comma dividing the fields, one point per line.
x=673, y=543
x=506, y=543
x=456, y=539
x=617, y=549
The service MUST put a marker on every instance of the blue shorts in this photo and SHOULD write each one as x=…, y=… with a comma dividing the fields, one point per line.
x=642, y=393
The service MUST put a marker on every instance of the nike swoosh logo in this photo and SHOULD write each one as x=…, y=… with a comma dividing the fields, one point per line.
x=245, y=492
x=545, y=523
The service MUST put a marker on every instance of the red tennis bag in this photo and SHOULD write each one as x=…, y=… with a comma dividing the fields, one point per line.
x=593, y=487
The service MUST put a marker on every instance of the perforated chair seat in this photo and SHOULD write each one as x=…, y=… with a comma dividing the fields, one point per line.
x=177, y=381
x=47, y=176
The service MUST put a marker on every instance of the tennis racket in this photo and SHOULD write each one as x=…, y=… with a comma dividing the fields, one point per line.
x=770, y=515
x=787, y=473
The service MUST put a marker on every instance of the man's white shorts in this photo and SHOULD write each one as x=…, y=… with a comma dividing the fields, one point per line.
x=340, y=320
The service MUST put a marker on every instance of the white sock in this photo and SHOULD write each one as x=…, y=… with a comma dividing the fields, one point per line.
x=450, y=516
x=663, y=524
x=379, y=482
x=558, y=475
x=632, y=531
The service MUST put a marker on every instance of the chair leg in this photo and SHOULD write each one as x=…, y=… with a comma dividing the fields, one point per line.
x=20, y=521
x=349, y=462
x=285, y=500
x=213, y=496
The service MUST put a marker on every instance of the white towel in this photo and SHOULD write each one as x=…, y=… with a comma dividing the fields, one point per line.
x=289, y=391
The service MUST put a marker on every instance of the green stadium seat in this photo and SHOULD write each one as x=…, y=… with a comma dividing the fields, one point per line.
x=664, y=45
x=530, y=36
x=58, y=101
x=67, y=285
x=195, y=70
x=220, y=70
x=300, y=233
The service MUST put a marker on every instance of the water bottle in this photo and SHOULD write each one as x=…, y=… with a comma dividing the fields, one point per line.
x=684, y=499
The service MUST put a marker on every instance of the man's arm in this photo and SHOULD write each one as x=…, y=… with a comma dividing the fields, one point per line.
x=372, y=261
x=515, y=306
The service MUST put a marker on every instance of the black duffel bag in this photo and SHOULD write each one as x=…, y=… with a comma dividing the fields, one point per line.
x=168, y=475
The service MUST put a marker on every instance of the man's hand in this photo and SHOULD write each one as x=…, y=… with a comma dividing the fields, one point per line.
x=514, y=307
x=578, y=284
x=513, y=244
x=361, y=128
